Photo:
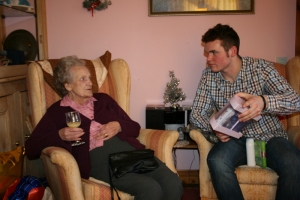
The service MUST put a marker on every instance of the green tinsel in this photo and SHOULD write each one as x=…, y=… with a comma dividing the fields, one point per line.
x=173, y=94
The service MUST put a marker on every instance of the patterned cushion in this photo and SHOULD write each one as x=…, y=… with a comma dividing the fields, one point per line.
x=97, y=68
x=256, y=175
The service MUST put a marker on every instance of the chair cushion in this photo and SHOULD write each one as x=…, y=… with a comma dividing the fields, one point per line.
x=256, y=175
x=96, y=67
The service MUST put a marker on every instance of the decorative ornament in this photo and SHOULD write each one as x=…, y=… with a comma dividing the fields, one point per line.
x=173, y=94
x=90, y=5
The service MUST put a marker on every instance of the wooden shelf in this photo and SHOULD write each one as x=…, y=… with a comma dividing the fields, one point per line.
x=189, y=177
x=7, y=11
x=192, y=145
x=12, y=71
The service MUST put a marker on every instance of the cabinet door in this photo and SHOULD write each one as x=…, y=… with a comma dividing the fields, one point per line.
x=5, y=125
x=10, y=122
x=25, y=112
x=13, y=111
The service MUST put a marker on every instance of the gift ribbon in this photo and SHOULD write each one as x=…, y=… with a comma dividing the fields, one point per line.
x=11, y=189
x=36, y=193
x=93, y=5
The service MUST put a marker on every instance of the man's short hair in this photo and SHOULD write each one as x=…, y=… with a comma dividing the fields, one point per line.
x=225, y=33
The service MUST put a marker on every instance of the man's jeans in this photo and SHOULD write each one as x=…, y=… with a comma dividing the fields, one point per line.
x=282, y=156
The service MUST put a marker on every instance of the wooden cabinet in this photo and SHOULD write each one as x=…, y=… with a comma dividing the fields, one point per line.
x=14, y=106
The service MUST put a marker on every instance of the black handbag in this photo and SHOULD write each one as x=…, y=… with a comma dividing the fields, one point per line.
x=137, y=161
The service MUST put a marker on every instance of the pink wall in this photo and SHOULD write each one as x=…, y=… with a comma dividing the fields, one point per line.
x=154, y=45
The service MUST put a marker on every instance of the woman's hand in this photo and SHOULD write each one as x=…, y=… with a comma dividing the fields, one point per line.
x=222, y=137
x=70, y=134
x=108, y=130
x=255, y=105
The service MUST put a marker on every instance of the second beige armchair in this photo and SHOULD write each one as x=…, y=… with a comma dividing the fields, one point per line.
x=255, y=182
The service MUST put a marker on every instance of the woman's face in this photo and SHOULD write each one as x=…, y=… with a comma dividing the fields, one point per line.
x=80, y=89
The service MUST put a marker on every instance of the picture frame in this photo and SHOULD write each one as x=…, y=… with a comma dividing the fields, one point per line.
x=200, y=7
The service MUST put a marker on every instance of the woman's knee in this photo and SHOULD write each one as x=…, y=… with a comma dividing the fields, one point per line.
x=174, y=189
x=149, y=190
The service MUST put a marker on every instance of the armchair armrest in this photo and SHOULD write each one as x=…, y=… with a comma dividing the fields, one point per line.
x=162, y=142
x=294, y=135
x=62, y=173
x=96, y=189
x=206, y=188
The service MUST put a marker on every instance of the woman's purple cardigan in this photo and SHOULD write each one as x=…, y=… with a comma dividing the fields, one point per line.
x=105, y=110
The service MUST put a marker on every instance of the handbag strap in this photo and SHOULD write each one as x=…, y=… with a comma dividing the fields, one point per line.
x=112, y=187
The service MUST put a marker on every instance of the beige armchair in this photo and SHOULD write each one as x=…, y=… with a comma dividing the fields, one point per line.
x=113, y=78
x=255, y=182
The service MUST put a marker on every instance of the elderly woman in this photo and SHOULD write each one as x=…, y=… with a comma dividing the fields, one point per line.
x=105, y=128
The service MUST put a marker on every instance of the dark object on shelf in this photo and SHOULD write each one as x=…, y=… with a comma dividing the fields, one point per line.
x=157, y=116
x=16, y=57
x=3, y=53
x=187, y=136
x=22, y=40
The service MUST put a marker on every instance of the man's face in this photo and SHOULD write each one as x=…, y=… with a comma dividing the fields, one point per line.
x=216, y=56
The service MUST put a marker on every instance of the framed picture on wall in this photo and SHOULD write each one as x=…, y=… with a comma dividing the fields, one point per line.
x=198, y=7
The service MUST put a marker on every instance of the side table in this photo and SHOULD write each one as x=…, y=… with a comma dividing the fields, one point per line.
x=163, y=118
x=188, y=177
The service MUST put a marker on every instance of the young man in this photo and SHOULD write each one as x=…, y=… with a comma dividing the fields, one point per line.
x=266, y=93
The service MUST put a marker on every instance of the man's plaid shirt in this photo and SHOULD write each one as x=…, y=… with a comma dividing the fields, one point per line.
x=257, y=77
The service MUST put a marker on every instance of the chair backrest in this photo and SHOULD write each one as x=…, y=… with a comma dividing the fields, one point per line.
x=282, y=71
x=112, y=77
x=292, y=76
x=291, y=71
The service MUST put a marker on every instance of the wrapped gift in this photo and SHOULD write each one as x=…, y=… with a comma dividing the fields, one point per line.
x=226, y=120
x=28, y=187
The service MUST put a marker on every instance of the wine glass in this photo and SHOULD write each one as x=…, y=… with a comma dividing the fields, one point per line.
x=73, y=120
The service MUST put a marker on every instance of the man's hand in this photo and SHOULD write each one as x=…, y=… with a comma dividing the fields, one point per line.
x=222, y=137
x=255, y=105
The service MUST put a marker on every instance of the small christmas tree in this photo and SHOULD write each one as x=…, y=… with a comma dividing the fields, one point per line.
x=173, y=94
